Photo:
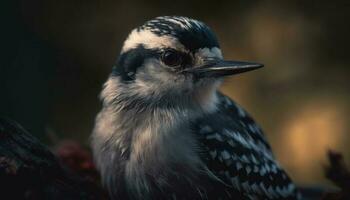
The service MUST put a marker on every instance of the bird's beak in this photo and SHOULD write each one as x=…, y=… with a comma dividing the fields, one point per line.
x=220, y=68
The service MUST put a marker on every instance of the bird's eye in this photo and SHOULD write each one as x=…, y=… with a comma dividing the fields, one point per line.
x=172, y=58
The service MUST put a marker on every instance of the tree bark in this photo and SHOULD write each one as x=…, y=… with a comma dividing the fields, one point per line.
x=28, y=170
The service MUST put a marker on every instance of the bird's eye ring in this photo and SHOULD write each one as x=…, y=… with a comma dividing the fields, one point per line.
x=172, y=58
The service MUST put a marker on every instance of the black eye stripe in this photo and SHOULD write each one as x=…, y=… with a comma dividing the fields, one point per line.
x=129, y=61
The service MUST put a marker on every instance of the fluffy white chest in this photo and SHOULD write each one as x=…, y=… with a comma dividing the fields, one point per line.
x=154, y=142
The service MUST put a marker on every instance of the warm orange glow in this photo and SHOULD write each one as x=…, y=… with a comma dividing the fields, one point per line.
x=306, y=137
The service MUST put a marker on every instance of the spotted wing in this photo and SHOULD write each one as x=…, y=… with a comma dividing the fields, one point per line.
x=236, y=151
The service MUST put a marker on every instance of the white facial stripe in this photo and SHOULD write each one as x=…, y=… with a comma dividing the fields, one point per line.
x=214, y=52
x=205, y=53
x=150, y=41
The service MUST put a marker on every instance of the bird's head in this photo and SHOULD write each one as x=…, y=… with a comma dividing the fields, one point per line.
x=169, y=59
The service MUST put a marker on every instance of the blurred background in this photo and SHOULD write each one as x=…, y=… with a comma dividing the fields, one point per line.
x=56, y=54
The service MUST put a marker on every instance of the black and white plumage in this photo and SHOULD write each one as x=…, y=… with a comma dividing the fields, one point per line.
x=236, y=149
x=165, y=132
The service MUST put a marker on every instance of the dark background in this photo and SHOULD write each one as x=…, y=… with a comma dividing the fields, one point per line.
x=56, y=54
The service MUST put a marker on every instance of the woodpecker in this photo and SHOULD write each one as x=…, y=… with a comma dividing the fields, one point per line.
x=166, y=132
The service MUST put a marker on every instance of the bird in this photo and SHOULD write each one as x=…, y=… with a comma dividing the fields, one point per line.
x=165, y=131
